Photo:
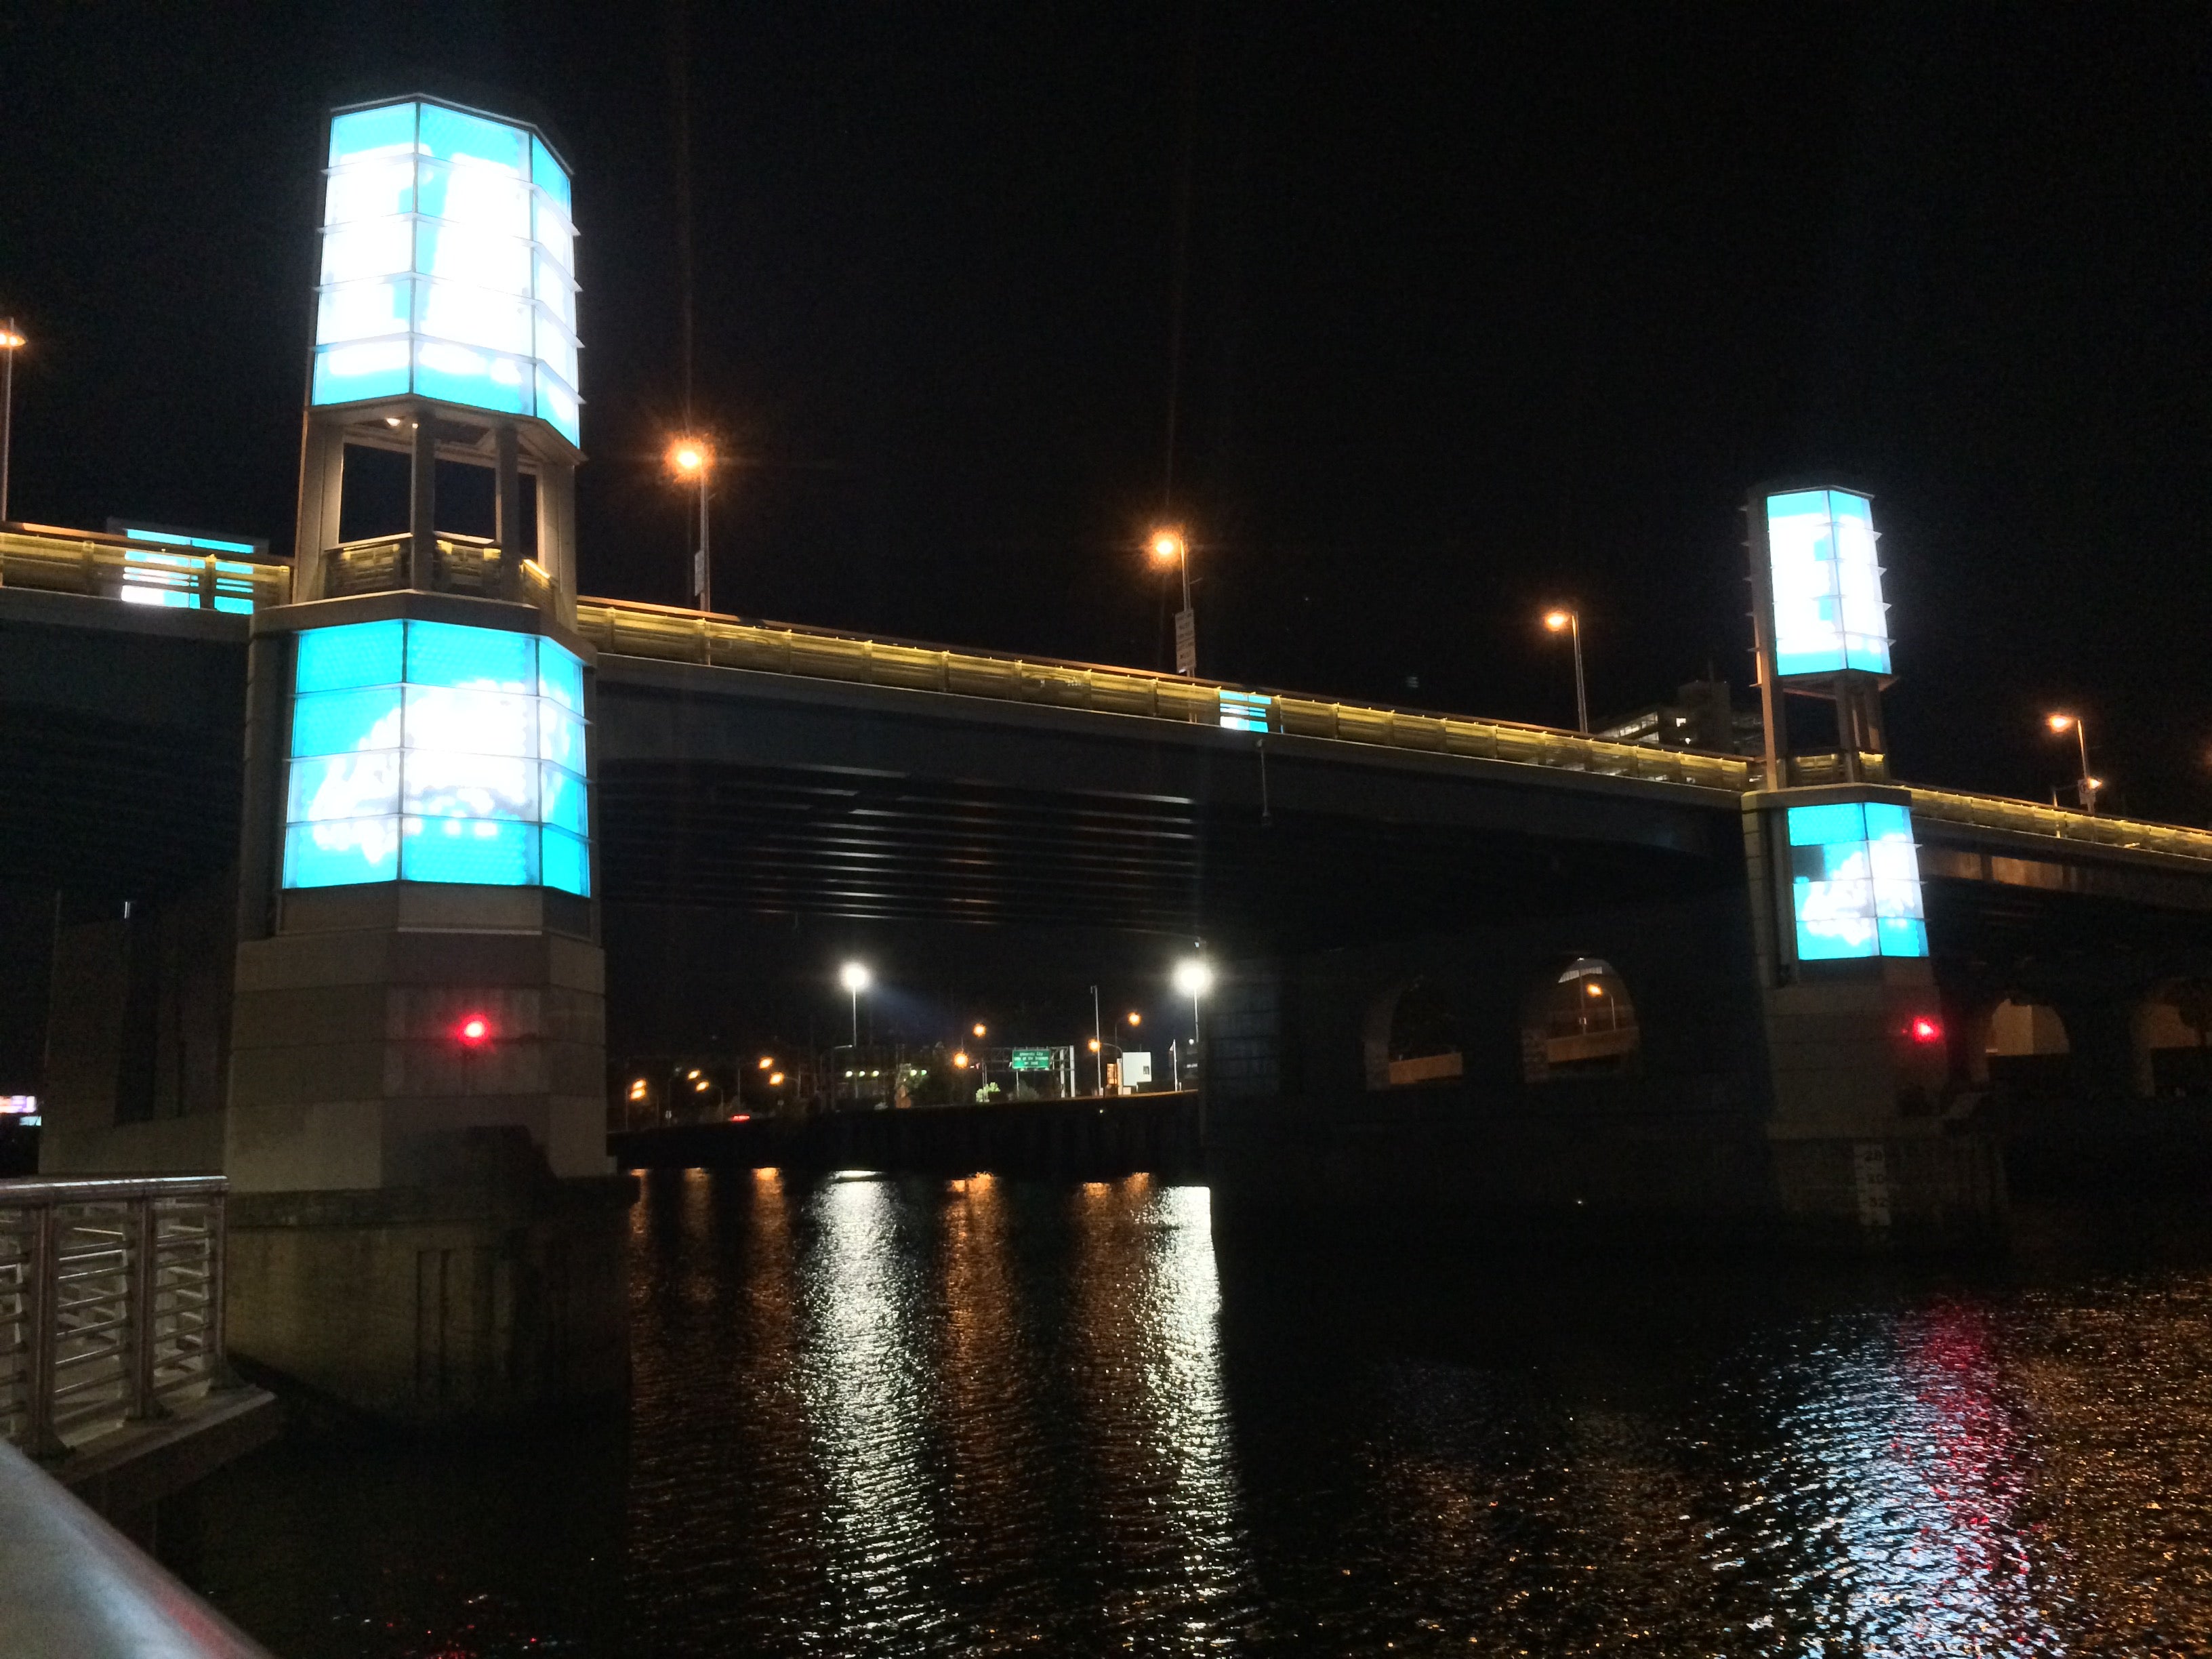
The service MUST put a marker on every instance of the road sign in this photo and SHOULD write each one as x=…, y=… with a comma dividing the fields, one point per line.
x=1135, y=1068
x=1032, y=1060
x=1186, y=642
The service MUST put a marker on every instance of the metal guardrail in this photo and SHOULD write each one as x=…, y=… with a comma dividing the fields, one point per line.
x=460, y=564
x=627, y=628
x=110, y=1303
x=2028, y=817
x=139, y=573
x=70, y=1584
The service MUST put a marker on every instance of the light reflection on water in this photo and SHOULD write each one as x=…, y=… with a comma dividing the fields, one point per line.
x=900, y=1416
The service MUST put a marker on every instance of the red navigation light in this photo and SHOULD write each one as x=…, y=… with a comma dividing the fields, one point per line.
x=741, y=1117
x=474, y=1030
x=1924, y=1029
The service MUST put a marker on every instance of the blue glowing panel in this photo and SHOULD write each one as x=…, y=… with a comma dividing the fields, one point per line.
x=431, y=752
x=1826, y=584
x=560, y=676
x=340, y=659
x=343, y=853
x=567, y=863
x=560, y=799
x=485, y=852
x=342, y=722
x=1855, y=882
x=1244, y=711
x=473, y=658
x=448, y=265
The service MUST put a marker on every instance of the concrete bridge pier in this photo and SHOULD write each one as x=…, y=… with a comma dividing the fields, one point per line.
x=424, y=1224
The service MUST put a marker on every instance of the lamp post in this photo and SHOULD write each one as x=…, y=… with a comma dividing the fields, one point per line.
x=855, y=977
x=11, y=342
x=1169, y=545
x=1562, y=620
x=2090, y=786
x=691, y=460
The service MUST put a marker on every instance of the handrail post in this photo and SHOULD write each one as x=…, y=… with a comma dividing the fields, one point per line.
x=39, y=1313
x=220, y=1374
x=145, y=1292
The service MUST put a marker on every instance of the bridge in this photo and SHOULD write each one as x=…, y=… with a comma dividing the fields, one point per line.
x=1393, y=897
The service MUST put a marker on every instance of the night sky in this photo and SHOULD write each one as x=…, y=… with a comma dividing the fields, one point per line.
x=1485, y=306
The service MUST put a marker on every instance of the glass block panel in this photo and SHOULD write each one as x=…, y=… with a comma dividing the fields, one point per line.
x=560, y=675
x=561, y=736
x=373, y=247
x=347, y=374
x=452, y=135
x=473, y=658
x=1819, y=826
x=550, y=176
x=365, y=784
x=460, y=722
x=481, y=850
x=342, y=854
x=388, y=130
x=560, y=799
x=357, y=654
x=463, y=375
x=450, y=786
x=567, y=863
x=368, y=310
x=340, y=722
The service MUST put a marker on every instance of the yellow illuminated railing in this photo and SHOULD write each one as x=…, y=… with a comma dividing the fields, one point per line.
x=2028, y=818
x=642, y=630
x=114, y=567
x=140, y=573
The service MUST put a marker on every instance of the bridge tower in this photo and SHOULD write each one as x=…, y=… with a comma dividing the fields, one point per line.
x=424, y=1224
x=1856, y=1051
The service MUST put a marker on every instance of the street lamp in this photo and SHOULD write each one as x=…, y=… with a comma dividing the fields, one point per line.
x=690, y=460
x=11, y=342
x=2063, y=723
x=1562, y=620
x=1169, y=545
x=855, y=977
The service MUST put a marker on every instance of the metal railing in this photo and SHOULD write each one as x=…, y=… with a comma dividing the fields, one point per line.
x=460, y=564
x=110, y=1303
x=2029, y=817
x=627, y=628
x=140, y=573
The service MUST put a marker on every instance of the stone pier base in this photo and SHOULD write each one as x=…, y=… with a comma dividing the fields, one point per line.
x=497, y=1292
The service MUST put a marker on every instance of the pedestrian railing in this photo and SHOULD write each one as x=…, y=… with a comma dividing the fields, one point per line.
x=110, y=1303
x=2028, y=818
x=627, y=628
x=139, y=573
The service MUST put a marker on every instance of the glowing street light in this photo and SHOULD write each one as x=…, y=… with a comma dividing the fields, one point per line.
x=961, y=1060
x=1135, y=1018
x=691, y=460
x=977, y=1029
x=1561, y=620
x=2061, y=724
x=767, y=1061
x=1194, y=977
x=1169, y=546
x=11, y=343
x=855, y=978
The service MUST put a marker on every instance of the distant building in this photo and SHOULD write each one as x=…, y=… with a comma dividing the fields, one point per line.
x=1701, y=716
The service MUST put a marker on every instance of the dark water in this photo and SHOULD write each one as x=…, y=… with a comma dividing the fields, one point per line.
x=879, y=1416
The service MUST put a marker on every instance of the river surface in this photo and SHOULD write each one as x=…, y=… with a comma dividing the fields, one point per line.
x=904, y=1417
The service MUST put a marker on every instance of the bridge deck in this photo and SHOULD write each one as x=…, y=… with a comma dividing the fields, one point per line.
x=59, y=561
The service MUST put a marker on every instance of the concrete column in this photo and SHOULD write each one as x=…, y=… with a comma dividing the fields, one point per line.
x=422, y=502
x=506, y=502
x=322, y=486
x=2104, y=1035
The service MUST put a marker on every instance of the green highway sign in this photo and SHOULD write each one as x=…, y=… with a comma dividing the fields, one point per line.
x=1032, y=1060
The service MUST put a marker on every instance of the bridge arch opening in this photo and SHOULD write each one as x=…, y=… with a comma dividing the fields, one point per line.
x=1412, y=1038
x=2173, y=1032
x=2027, y=1047
x=1580, y=1022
